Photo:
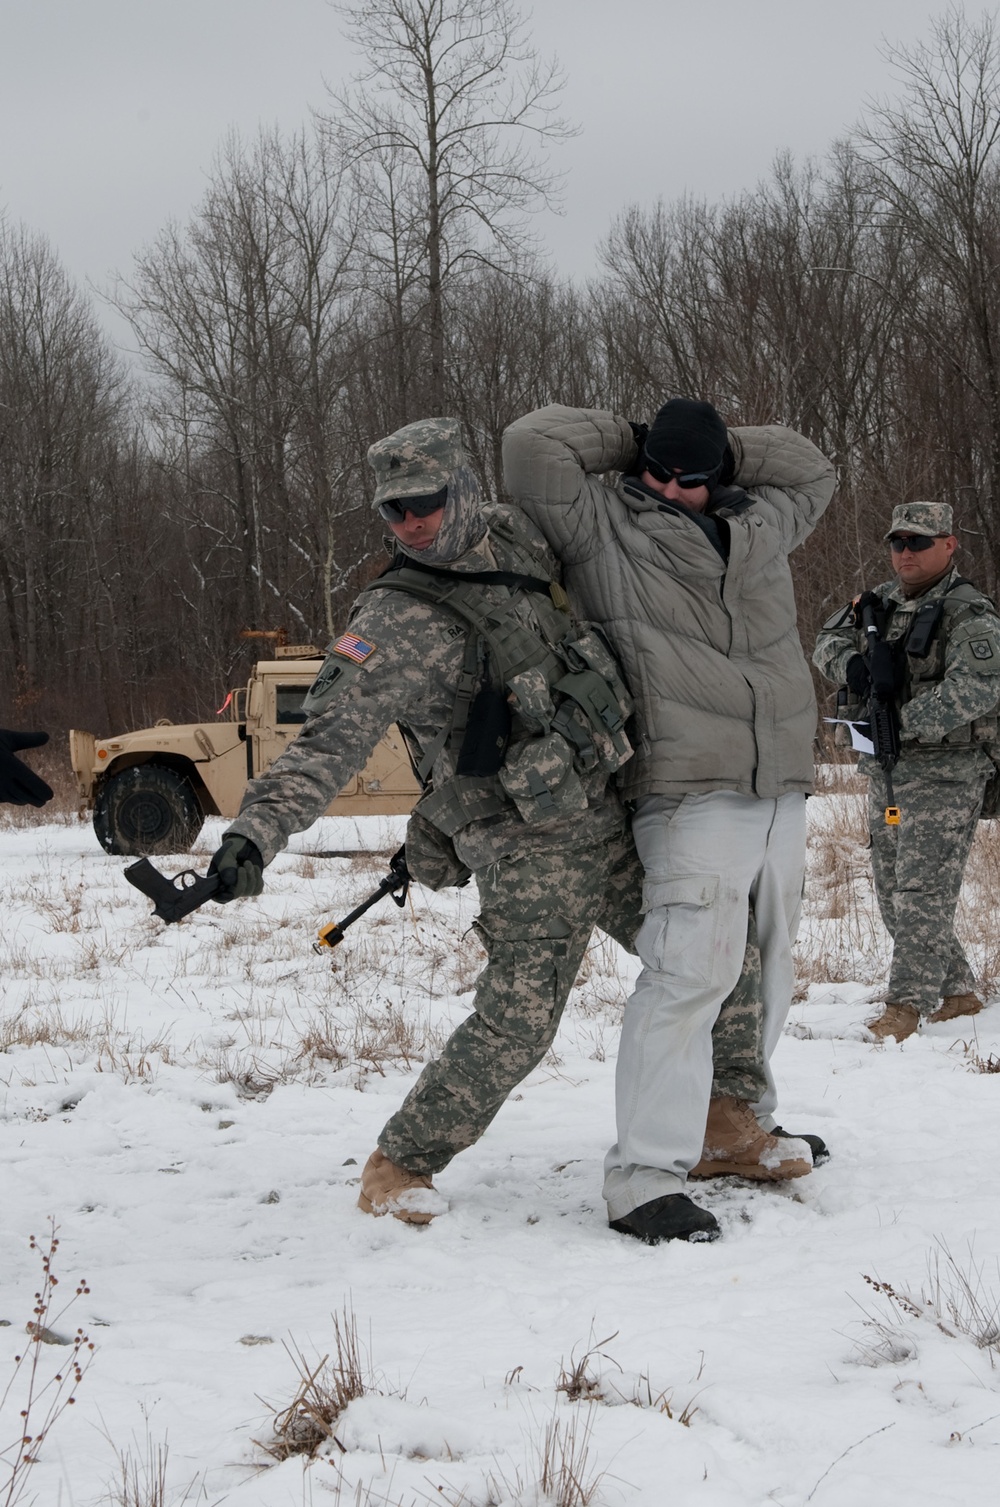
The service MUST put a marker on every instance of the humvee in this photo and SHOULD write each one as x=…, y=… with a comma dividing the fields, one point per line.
x=151, y=790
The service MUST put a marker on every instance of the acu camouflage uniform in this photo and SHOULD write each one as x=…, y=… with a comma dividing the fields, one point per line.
x=948, y=723
x=543, y=884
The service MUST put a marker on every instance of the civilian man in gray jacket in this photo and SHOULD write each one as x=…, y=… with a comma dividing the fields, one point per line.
x=684, y=563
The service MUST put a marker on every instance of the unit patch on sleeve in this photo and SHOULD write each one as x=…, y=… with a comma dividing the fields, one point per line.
x=981, y=648
x=353, y=648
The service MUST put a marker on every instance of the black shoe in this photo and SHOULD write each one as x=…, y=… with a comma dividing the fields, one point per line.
x=818, y=1147
x=672, y=1217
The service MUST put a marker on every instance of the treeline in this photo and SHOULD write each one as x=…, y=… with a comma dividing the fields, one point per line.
x=376, y=268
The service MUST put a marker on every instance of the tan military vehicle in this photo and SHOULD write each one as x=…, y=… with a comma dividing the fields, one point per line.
x=150, y=791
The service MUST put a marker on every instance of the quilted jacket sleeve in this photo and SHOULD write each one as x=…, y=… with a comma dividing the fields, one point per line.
x=787, y=474
x=552, y=459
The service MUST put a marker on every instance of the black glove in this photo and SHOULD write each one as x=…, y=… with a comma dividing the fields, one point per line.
x=19, y=785
x=728, y=467
x=639, y=432
x=866, y=599
x=858, y=677
x=240, y=869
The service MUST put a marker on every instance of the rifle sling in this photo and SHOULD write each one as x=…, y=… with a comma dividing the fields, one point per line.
x=509, y=578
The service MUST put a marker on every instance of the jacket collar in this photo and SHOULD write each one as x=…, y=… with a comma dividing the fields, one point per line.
x=727, y=502
x=932, y=594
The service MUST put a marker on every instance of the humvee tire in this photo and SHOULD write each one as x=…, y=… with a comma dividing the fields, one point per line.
x=146, y=809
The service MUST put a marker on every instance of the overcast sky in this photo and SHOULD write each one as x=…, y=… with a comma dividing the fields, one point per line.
x=111, y=110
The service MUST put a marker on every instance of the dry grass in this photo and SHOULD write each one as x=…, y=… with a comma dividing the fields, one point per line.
x=386, y=1034
x=581, y=1381
x=842, y=938
x=142, y=1480
x=565, y=1478
x=324, y=1391
x=955, y=1297
x=840, y=777
x=976, y=921
x=252, y=1079
x=42, y=1023
x=979, y=1064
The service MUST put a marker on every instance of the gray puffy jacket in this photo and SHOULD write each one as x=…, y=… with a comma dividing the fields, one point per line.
x=711, y=648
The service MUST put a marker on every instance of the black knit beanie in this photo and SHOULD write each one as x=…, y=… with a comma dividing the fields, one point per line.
x=687, y=436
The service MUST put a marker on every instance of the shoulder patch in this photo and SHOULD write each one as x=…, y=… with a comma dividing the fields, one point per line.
x=455, y=630
x=353, y=648
x=981, y=648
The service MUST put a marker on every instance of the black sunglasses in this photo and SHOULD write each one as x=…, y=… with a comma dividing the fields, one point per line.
x=915, y=543
x=687, y=481
x=396, y=510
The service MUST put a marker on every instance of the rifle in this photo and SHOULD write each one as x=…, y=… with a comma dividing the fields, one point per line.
x=396, y=883
x=882, y=715
x=173, y=899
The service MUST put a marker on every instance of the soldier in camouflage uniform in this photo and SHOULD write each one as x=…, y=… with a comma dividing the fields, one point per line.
x=946, y=664
x=546, y=841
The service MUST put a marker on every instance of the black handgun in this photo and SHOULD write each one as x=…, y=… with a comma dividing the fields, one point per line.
x=173, y=899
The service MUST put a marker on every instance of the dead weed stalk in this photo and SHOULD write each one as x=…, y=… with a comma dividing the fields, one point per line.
x=565, y=1479
x=44, y=1399
x=579, y=1383
x=323, y=1392
x=955, y=1298
x=142, y=1480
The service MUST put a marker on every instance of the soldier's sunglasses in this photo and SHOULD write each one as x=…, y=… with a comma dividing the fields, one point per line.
x=395, y=511
x=915, y=543
x=687, y=481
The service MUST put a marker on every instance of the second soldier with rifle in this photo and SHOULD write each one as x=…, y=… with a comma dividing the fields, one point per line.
x=920, y=661
x=515, y=718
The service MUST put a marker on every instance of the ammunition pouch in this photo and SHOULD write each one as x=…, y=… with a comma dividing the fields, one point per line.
x=540, y=779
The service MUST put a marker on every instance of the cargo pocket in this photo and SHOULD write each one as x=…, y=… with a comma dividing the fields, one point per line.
x=523, y=988
x=680, y=926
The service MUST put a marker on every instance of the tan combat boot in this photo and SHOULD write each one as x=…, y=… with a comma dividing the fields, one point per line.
x=897, y=1021
x=388, y=1189
x=736, y=1146
x=957, y=1004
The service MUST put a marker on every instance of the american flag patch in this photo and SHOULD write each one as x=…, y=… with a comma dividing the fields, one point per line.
x=353, y=648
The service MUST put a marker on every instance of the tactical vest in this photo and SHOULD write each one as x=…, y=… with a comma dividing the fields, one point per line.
x=924, y=646
x=536, y=706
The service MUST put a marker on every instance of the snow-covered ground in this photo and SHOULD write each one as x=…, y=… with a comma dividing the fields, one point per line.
x=191, y=1105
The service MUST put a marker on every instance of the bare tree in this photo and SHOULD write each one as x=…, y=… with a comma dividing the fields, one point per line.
x=443, y=120
x=935, y=160
x=60, y=407
x=247, y=316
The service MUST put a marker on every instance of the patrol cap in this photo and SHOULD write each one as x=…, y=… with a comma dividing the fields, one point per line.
x=417, y=460
x=930, y=518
